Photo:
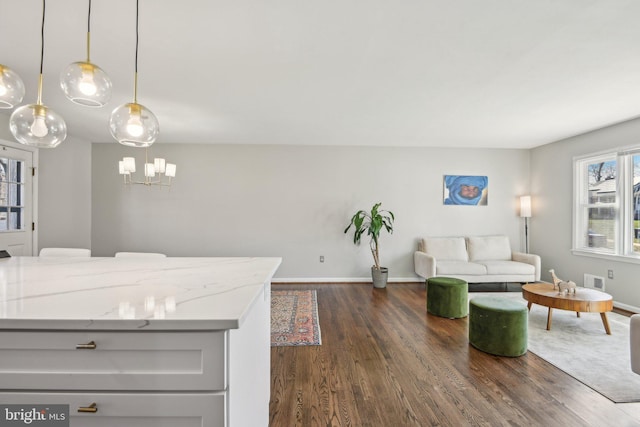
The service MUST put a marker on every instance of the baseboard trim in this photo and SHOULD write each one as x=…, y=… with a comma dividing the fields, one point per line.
x=626, y=307
x=317, y=280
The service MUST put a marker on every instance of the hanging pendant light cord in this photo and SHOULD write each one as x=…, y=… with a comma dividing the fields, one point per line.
x=39, y=101
x=89, y=33
x=135, y=78
x=44, y=4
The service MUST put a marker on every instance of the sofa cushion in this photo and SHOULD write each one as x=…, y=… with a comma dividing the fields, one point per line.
x=446, y=248
x=507, y=267
x=489, y=248
x=444, y=268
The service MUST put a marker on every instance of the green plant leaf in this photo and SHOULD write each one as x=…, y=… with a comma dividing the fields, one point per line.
x=371, y=224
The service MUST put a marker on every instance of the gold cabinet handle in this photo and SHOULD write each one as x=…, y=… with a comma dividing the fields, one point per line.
x=91, y=345
x=93, y=408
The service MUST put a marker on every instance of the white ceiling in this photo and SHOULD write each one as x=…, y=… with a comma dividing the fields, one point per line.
x=447, y=73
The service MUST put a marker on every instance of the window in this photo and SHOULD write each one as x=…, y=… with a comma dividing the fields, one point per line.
x=635, y=205
x=607, y=204
x=11, y=194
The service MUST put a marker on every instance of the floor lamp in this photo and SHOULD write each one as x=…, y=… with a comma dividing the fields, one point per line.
x=525, y=212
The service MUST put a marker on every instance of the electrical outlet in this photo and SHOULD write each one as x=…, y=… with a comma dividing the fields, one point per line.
x=610, y=274
x=321, y=258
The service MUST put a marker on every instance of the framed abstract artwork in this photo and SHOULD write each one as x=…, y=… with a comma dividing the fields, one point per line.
x=470, y=190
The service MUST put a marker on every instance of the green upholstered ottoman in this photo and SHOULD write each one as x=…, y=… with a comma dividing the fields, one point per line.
x=447, y=297
x=498, y=326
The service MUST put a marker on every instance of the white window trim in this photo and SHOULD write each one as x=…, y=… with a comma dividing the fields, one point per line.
x=624, y=217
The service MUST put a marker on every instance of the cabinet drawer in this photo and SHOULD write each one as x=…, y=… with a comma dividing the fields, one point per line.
x=133, y=409
x=136, y=361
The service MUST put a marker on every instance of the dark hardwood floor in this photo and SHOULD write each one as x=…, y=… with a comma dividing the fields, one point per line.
x=385, y=362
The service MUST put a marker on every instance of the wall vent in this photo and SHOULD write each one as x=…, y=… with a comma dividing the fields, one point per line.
x=594, y=282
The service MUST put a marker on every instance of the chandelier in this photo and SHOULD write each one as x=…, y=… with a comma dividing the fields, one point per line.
x=157, y=173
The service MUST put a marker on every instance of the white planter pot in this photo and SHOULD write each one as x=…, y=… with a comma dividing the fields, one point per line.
x=379, y=277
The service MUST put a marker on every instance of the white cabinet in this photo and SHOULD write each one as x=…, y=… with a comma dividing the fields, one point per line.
x=203, y=360
x=65, y=367
x=133, y=409
x=145, y=378
x=115, y=360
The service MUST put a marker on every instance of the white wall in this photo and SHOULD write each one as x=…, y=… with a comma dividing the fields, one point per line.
x=5, y=133
x=64, y=202
x=552, y=201
x=295, y=201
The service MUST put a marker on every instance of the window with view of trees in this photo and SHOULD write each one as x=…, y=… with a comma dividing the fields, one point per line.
x=607, y=204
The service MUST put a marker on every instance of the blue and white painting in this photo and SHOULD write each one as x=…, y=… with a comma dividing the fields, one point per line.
x=466, y=190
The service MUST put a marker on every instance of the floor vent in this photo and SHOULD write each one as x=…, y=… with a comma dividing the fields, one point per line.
x=594, y=282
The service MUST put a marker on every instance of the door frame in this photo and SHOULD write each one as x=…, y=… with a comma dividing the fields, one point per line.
x=34, y=188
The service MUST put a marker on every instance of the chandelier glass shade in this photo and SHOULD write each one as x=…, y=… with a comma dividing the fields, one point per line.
x=11, y=88
x=85, y=83
x=37, y=125
x=157, y=173
x=133, y=124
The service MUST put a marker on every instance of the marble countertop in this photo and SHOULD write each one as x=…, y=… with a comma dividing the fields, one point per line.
x=131, y=293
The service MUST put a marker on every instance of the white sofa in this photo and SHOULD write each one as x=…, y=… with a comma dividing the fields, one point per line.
x=476, y=259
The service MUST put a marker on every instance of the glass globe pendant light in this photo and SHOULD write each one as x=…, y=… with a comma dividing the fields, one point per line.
x=133, y=124
x=37, y=125
x=85, y=83
x=11, y=88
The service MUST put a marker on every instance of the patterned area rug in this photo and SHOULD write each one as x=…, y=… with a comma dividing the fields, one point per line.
x=580, y=347
x=294, y=318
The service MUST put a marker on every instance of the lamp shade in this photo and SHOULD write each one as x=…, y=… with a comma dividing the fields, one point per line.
x=86, y=84
x=159, y=164
x=525, y=206
x=134, y=125
x=129, y=164
x=37, y=126
x=171, y=170
x=149, y=170
x=11, y=88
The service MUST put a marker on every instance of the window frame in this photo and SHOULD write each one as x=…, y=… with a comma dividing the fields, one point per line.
x=14, y=186
x=623, y=205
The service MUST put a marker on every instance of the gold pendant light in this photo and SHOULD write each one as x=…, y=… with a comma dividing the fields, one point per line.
x=85, y=83
x=37, y=125
x=133, y=124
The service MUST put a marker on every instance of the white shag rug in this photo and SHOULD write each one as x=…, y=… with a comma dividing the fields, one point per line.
x=580, y=347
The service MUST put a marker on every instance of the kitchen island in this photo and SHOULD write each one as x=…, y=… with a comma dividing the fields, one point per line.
x=138, y=342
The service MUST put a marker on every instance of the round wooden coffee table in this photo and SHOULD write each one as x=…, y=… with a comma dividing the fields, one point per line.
x=585, y=300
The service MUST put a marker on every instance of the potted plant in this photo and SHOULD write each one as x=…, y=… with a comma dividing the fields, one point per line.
x=372, y=224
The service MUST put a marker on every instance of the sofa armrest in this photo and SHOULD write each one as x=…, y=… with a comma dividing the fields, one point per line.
x=424, y=264
x=528, y=259
x=634, y=338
